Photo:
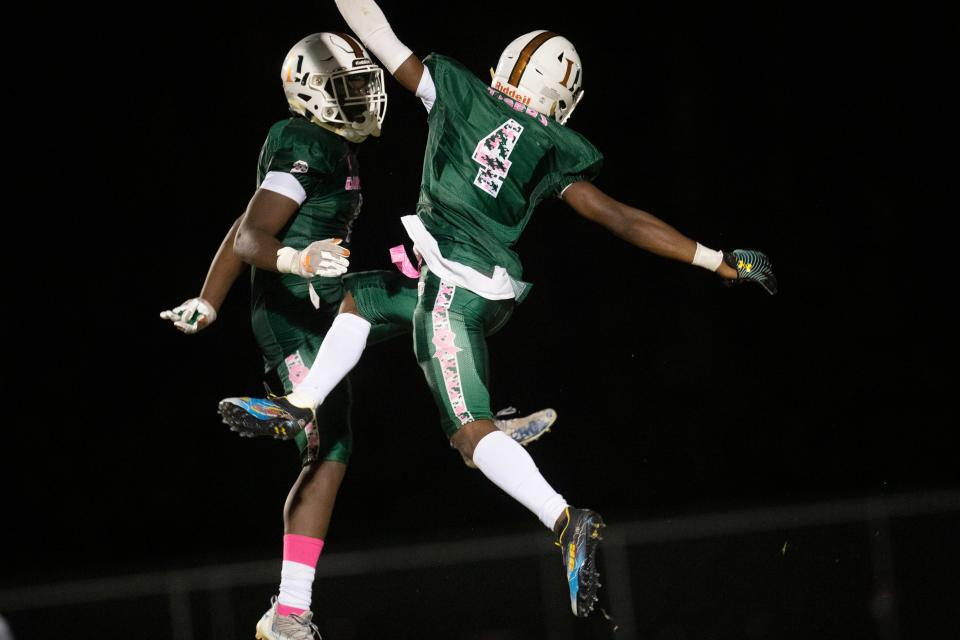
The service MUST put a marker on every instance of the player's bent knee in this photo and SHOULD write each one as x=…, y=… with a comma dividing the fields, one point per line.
x=349, y=305
x=469, y=435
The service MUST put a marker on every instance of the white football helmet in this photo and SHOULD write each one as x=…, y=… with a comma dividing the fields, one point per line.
x=329, y=78
x=542, y=70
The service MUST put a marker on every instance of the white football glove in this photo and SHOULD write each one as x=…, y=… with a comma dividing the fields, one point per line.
x=321, y=258
x=191, y=316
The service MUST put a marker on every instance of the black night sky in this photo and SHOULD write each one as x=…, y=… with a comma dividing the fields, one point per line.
x=818, y=132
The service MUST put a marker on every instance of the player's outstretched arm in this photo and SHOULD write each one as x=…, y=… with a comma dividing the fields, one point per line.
x=649, y=232
x=199, y=313
x=638, y=227
x=367, y=21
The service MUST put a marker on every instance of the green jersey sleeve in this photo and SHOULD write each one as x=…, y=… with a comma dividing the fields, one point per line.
x=292, y=148
x=573, y=160
x=326, y=166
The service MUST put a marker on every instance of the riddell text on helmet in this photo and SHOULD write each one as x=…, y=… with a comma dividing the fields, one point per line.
x=517, y=105
x=513, y=93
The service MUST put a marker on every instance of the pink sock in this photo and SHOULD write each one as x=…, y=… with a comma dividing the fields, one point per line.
x=300, y=554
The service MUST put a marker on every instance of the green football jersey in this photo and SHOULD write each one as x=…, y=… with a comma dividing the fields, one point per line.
x=489, y=161
x=326, y=167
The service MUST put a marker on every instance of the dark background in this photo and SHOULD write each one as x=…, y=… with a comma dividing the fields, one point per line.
x=820, y=134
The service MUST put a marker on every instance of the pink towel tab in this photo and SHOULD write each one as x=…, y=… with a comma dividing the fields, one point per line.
x=398, y=255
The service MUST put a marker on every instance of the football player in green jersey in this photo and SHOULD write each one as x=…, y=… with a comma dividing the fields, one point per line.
x=295, y=235
x=493, y=153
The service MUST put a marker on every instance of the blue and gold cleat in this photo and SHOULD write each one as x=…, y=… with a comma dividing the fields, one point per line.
x=578, y=544
x=274, y=417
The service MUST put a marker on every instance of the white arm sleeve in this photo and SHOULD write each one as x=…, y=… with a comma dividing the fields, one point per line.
x=284, y=184
x=426, y=90
x=367, y=21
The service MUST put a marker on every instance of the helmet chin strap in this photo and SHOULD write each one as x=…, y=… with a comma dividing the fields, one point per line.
x=356, y=133
x=369, y=127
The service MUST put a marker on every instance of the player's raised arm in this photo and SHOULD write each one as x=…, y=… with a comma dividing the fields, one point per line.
x=367, y=21
x=646, y=231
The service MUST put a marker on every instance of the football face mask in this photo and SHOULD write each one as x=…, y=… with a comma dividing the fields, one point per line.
x=360, y=95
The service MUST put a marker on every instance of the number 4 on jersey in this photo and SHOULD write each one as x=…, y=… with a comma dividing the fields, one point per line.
x=493, y=155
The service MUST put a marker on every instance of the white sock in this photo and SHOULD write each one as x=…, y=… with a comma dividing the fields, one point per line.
x=510, y=467
x=296, y=585
x=339, y=353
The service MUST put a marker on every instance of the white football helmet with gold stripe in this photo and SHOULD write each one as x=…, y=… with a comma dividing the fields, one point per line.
x=542, y=70
x=330, y=78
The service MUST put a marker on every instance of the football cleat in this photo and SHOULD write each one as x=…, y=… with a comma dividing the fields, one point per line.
x=524, y=429
x=578, y=544
x=751, y=266
x=275, y=417
x=273, y=626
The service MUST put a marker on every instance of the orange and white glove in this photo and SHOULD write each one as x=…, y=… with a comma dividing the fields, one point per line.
x=324, y=258
x=191, y=316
